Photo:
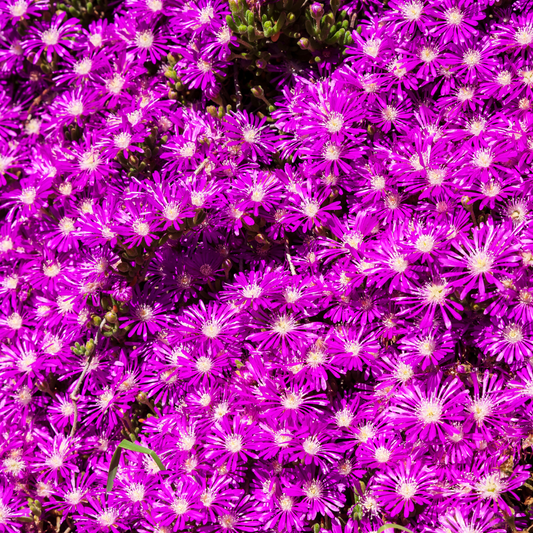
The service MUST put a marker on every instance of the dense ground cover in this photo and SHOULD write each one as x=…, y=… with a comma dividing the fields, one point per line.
x=266, y=267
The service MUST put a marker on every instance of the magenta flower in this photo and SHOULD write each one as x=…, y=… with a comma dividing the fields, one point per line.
x=404, y=486
x=428, y=413
x=55, y=37
x=148, y=314
x=231, y=443
x=434, y=294
x=492, y=249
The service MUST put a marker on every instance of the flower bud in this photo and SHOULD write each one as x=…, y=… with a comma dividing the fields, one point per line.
x=171, y=74
x=303, y=43
x=111, y=317
x=258, y=91
x=317, y=10
x=89, y=347
x=142, y=397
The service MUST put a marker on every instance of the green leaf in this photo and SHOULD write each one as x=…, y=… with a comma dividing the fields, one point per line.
x=395, y=526
x=113, y=467
x=127, y=445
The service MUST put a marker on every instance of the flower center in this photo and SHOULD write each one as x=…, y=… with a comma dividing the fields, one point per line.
x=389, y=114
x=83, y=67
x=206, y=14
x=50, y=37
x=513, y=334
x=154, y=5
x=171, y=211
x=429, y=411
x=382, y=455
x=465, y=93
x=425, y=243
x=434, y=293
x=27, y=196
x=141, y=228
x=286, y=503
x=427, y=346
x=180, y=506
x=334, y=122
x=292, y=401
x=283, y=325
x=107, y=518
x=252, y=291
x=211, y=329
x=480, y=262
x=144, y=312
x=136, y=492
x=428, y=54
x=436, y=176
x=67, y=409
x=251, y=135
x=482, y=158
x=311, y=209
x=524, y=36
x=204, y=364
x=454, y=16
x=311, y=445
x=122, y=140
x=471, y=58
x=481, y=408
x=227, y=521
x=144, y=39
x=490, y=487
x=407, y=489
x=74, y=497
x=96, y=39
x=14, y=321
x=504, y=78
x=399, y=264
x=66, y=226
x=331, y=152
x=18, y=9
x=55, y=461
x=207, y=498
x=371, y=47
x=412, y=11
x=313, y=489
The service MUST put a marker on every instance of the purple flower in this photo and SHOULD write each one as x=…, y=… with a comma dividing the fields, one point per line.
x=148, y=314
x=404, y=486
x=428, y=413
x=55, y=37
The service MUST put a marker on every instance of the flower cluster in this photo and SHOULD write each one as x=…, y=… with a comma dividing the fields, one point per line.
x=287, y=248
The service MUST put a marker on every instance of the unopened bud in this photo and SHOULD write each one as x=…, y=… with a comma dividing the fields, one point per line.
x=303, y=43
x=317, y=10
x=142, y=397
x=111, y=317
x=89, y=347
x=227, y=264
x=171, y=74
x=258, y=91
x=465, y=202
